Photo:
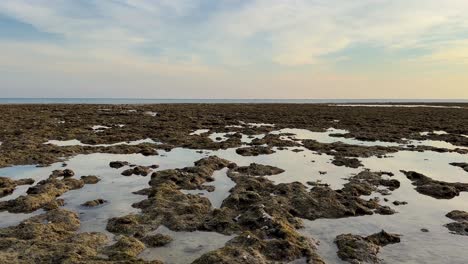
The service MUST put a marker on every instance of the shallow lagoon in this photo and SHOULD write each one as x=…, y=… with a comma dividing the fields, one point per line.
x=436, y=246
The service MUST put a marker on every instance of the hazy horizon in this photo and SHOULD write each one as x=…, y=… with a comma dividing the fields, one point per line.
x=234, y=49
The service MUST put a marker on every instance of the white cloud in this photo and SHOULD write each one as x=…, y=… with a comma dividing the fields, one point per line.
x=250, y=43
x=296, y=32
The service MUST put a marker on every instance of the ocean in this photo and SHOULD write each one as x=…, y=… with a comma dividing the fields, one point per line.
x=216, y=101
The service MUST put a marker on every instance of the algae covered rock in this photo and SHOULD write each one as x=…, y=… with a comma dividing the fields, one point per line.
x=90, y=179
x=358, y=249
x=157, y=240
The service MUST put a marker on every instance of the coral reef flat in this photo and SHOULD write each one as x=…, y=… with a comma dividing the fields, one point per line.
x=233, y=183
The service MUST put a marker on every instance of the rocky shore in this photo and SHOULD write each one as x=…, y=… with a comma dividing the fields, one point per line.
x=262, y=216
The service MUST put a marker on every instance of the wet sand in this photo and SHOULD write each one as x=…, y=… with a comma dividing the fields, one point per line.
x=233, y=183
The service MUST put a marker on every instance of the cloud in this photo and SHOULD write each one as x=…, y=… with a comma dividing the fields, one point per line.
x=238, y=39
x=296, y=32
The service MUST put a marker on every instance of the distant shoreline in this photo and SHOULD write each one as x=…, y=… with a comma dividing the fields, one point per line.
x=114, y=101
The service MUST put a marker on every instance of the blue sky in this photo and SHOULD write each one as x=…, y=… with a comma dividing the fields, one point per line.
x=234, y=48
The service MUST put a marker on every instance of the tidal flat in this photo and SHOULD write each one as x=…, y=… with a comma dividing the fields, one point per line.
x=234, y=183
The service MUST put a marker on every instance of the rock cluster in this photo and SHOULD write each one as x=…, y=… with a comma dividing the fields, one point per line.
x=357, y=249
x=434, y=188
x=8, y=186
x=462, y=165
x=460, y=226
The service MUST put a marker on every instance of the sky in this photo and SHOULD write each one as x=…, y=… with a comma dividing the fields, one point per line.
x=317, y=49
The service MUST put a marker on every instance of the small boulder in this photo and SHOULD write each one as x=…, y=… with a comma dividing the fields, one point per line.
x=90, y=179
x=358, y=249
x=94, y=203
x=157, y=240
x=118, y=164
x=347, y=162
x=458, y=215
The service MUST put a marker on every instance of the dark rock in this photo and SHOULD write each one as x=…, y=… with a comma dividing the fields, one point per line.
x=358, y=249
x=384, y=210
x=348, y=162
x=125, y=248
x=458, y=215
x=340, y=150
x=462, y=165
x=254, y=151
x=118, y=164
x=94, y=203
x=255, y=169
x=458, y=228
x=137, y=170
x=366, y=182
x=149, y=151
x=273, y=140
x=383, y=238
x=157, y=240
x=52, y=238
x=55, y=204
x=190, y=178
x=90, y=179
x=8, y=186
x=317, y=183
x=129, y=224
x=434, y=188
x=67, y=173
x=297, y=150
x=40, y=195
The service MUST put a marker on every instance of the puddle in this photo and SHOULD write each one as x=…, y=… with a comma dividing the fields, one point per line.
x=436, y=246
x=396, y=105
x=220, y=137
x=113, y=187
x=76, y=142
x=302, y=166
x=260, y=125
x=249, y=138
x=440, y=132
x=149, y=113
x=325, y=137
x=222, y=184
x=185, y=247
x=199, y=132
x=8, y=219
x=99, y=128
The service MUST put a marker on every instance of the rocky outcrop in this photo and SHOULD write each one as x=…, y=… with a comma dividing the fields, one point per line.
x=460, y=226
x=8, y=185
x=348, y=162
x=255, y=169
x=157, y=240
x=118, y=164
x=462, y=165
x=67, y=173
x=94, y=203
x=358, y=249
x=137, y=170
x=40, y=195
x=434, y=188
x=90, y=179
x=254, y=151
